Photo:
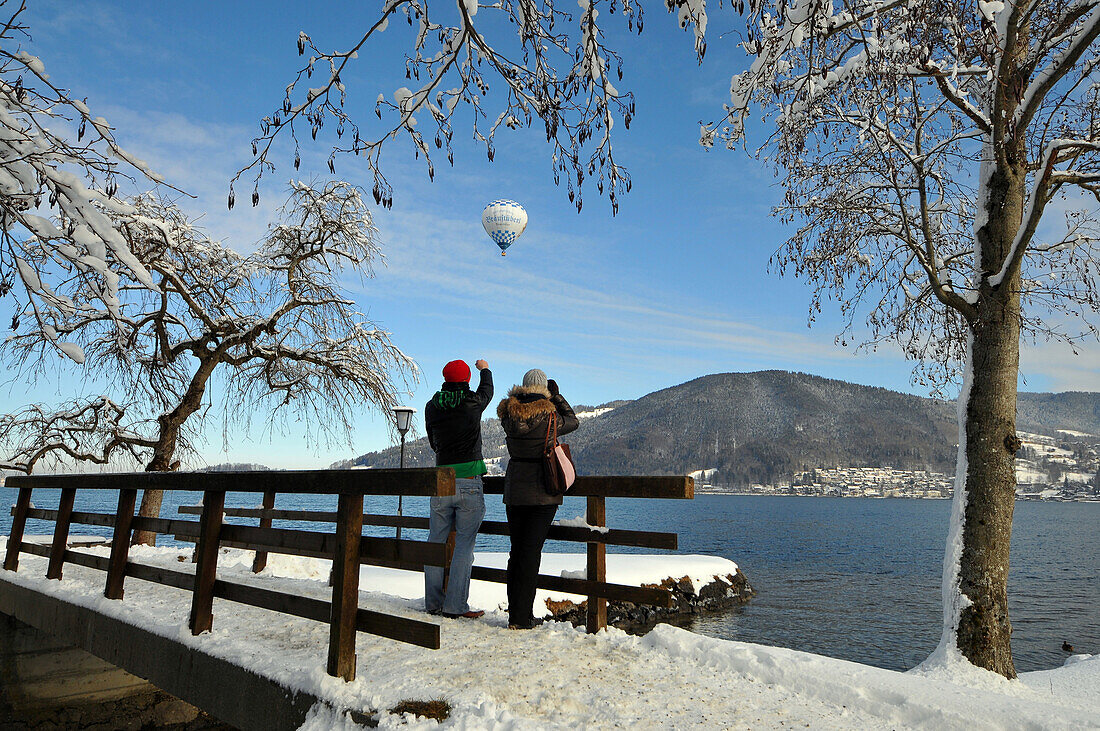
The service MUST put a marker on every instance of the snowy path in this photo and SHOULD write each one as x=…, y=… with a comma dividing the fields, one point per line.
x=558, y=677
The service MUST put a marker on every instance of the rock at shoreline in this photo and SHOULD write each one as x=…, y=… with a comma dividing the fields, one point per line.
x=720, y=595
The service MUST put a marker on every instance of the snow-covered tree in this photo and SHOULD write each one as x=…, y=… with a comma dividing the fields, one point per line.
x=60, y=169
x=276, y=331
x=920, y=143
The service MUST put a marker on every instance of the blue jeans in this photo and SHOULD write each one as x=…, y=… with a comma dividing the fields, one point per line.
x=461, y=513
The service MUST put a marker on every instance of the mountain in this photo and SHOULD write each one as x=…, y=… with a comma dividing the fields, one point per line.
x=1048, y=412
x=763, y=427
x=235, y=467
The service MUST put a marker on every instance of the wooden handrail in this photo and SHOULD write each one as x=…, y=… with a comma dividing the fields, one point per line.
x=585, y=587
x=413, y=555
x=594, y=488
x=429, y=481
x=670, y=487
x=345, y=546
x=612, y=537
x=422, y=634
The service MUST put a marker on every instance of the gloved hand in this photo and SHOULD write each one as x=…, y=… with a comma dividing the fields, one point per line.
x=552, y=387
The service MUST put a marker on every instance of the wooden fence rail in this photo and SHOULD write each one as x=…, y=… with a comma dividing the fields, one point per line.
x=345, y=545
x=595, y=490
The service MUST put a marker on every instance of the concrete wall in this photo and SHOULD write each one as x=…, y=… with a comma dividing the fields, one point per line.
x=230, y=693
x=46, y=684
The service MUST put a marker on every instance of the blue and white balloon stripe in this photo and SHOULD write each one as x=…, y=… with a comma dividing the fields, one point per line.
x=504, y=220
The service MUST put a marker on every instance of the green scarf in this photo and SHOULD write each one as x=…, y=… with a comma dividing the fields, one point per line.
x=448, y=399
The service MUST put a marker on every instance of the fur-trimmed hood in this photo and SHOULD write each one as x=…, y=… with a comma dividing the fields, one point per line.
x=525, y=417
x=517, y=408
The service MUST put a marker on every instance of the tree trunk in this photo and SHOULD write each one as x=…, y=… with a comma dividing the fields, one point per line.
x=163, y=453
x=984, y=630
x=161, y=462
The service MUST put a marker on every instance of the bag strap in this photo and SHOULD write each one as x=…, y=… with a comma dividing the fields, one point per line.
x=551, y=442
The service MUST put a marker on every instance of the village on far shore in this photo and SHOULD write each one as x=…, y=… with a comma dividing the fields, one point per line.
x=1065, y=468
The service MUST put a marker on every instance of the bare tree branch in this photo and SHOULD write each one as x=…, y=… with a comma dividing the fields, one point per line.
x=276, y=329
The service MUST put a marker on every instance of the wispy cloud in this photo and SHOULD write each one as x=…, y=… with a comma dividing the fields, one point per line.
x=546, y=308
x=1060, y=367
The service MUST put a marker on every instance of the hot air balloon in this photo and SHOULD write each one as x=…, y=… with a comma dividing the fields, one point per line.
x=504, y=221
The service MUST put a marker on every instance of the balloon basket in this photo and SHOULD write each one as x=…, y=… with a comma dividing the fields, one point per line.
x=504, y=253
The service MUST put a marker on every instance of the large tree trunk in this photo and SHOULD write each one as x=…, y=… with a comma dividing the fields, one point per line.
x=162, y=461
x=984, y=630
x=165, y=451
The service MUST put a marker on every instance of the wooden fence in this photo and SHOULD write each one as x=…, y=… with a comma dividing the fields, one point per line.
x=594, y=489
x=346, y=546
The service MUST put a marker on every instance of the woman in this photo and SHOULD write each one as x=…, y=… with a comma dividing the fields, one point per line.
x=526, y=416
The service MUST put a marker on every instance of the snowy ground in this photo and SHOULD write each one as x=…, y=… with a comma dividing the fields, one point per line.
x=559, y=677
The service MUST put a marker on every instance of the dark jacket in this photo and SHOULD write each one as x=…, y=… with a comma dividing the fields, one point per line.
x=453, y=420
x=525, y=416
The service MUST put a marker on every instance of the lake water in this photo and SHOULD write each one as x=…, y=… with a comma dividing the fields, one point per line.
x=852, y=578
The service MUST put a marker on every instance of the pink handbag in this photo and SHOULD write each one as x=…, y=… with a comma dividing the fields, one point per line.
x=561, y=473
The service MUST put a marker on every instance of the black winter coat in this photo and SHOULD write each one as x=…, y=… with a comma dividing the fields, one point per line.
x=525, y=416
x=453, y=420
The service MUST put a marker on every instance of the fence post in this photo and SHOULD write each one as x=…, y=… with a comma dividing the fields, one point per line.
x=61, y=533
x=597, y=565
x=345, y=587
x=18, y=524
x=206, y=551
x=260, y=562
x=120, y=543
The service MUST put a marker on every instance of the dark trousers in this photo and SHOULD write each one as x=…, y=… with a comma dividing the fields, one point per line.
x=528, y=526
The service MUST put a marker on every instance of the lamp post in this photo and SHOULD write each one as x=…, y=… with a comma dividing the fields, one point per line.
x=403, y=417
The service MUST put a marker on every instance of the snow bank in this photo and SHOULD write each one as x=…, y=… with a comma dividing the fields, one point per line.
x=630, y=569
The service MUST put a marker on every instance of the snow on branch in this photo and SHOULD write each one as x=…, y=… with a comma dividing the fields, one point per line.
x=60, y=169
x=1063, y=44
x=277, y=329
x=909, y=137
x=92, y=430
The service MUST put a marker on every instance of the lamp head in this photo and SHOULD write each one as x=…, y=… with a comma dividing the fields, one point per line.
x=403, y=417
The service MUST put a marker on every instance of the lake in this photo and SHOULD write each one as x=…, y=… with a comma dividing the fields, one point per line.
x=853, y=578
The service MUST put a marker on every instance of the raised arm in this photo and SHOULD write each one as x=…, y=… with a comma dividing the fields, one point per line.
x=569, y=421
x=484, y=391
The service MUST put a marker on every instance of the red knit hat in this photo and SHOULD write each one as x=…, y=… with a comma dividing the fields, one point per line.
x=456, y=372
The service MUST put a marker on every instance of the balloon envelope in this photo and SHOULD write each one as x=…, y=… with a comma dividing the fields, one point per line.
x=504, y=221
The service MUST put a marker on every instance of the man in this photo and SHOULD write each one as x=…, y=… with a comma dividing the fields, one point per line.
x=453, y=422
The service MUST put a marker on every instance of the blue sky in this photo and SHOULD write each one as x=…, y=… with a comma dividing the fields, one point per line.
x=674, y=287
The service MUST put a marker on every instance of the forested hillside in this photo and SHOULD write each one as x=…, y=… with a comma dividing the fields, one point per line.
x=762, y=427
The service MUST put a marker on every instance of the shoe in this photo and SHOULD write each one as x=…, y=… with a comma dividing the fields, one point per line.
x=435, y=612
x=529, y=624
x=472, y=614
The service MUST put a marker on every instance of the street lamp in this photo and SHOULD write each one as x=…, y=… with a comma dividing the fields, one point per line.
x=403, y=417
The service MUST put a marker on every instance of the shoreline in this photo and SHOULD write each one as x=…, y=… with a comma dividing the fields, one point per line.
x=700, y=491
